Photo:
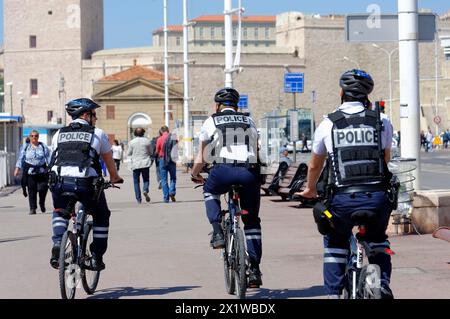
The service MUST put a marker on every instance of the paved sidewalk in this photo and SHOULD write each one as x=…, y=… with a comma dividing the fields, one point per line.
x=159, y=250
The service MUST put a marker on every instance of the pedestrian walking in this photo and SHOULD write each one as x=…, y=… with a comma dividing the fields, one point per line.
x=139, y=152
x=304, y=143
x=429, y=140
x=155, y=159
x=117, y=153
x=33, y=161
x=167, y=166
x=446, y=138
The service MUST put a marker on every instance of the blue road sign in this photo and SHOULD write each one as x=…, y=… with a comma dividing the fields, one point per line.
x=293, y=82
x=243, y=101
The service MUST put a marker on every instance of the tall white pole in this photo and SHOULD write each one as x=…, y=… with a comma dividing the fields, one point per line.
x=186, y=119
x=436, y=78
x=390, y=88
x=228, y=43
x=409, y=82
x=166, y=69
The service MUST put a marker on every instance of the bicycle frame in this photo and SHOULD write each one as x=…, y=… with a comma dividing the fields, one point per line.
x=356, y=260
x=235, y=211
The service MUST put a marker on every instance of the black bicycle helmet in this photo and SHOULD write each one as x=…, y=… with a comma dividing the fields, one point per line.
x=77, y=107
x=227, y=96
x=356, y=84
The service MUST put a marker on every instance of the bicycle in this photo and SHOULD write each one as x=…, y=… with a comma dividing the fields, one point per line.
x=362, y=281
x=75, y=247
x=235, y=257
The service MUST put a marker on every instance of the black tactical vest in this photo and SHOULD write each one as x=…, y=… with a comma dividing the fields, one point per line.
x=358, y=158
x=74, y=148
x=233, y=128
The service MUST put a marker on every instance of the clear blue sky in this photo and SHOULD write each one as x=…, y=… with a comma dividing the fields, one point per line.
x=130, y=23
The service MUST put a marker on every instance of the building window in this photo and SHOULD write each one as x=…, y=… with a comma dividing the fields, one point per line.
x=212, y=33
x=178, y=41
x=49, y=116
x=256, y=44
x=201, y=32
x=266, y=33
x=33, y=87
x=110, y=112
x=234, y=32
x=245, y=32
x=267, y=44
x=33, y=41
x=223, y=32
x=256, y=33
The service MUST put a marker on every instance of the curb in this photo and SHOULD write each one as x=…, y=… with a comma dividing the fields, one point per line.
x=8, y=190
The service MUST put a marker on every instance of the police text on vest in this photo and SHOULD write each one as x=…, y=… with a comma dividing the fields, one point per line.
x=74, y=137
x=365, y=136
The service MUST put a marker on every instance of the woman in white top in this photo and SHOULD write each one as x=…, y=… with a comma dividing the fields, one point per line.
x=117, y=153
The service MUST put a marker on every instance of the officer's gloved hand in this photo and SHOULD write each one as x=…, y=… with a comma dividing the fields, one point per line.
x=117, y=180
x=199, y=179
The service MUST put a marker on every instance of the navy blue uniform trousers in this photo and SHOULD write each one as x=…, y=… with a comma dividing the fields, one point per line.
x=220, y=180
x=99, y=209
x=337, y=244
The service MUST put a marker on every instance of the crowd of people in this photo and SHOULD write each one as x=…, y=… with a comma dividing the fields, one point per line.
x=430, y=141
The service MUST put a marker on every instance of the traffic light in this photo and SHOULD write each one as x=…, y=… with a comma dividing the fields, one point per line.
x=380, y=104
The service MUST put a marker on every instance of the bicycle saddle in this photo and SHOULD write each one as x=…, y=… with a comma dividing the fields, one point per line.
x=362, y=217
x=70, y=195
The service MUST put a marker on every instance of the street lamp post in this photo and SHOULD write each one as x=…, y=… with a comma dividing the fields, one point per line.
x=346, y=58
x=389, y=54
x=21, y=102
x=10, y=84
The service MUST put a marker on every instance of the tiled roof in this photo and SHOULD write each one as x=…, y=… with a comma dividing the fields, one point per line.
x=135, y=72
x=245, y=19
x=170, y=28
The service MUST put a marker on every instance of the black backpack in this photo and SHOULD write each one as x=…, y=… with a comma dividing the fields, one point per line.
x=167, y=147
x=153, y=153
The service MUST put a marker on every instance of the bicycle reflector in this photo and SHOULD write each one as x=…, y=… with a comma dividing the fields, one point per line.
x=389, y=252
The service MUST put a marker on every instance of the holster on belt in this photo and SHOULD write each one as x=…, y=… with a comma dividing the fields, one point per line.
x=323, y=218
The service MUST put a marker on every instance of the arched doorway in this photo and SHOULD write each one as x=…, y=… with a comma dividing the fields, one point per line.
x=139, y=120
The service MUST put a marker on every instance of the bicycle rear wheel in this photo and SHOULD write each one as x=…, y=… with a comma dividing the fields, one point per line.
x=240, y=264
x=369, y=282
x=89, y=278
x=230, y=284
x=69, y=271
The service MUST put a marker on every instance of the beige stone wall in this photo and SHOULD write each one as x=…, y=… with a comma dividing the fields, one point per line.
x=61, y=43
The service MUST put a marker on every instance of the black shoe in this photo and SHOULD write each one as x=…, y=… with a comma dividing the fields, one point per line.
x=54, y=259
x=159, y=186
x=386, y=292
x=42, y=207
x=254, y=278
x=172, y=197
x=94, y=264
x=32, y=212
x=147, y=198
x=217, y=240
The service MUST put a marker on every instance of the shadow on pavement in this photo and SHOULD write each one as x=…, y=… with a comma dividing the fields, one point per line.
x=117, y=293
x=6, y=240
x=314, y=291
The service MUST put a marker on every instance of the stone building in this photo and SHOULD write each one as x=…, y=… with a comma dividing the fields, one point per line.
x=135, y=98
x=62, y=59
x=45, y=42
x=210, y=31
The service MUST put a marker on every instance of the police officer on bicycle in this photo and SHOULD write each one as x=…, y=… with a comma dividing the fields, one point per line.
x=229, y=142
x=75, y=167
x=356, y=142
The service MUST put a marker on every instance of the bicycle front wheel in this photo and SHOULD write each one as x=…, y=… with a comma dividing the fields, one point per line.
x=69, y=271
x=240, y=264
x=89, y=278
x=369, y=282
x=228, y=267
